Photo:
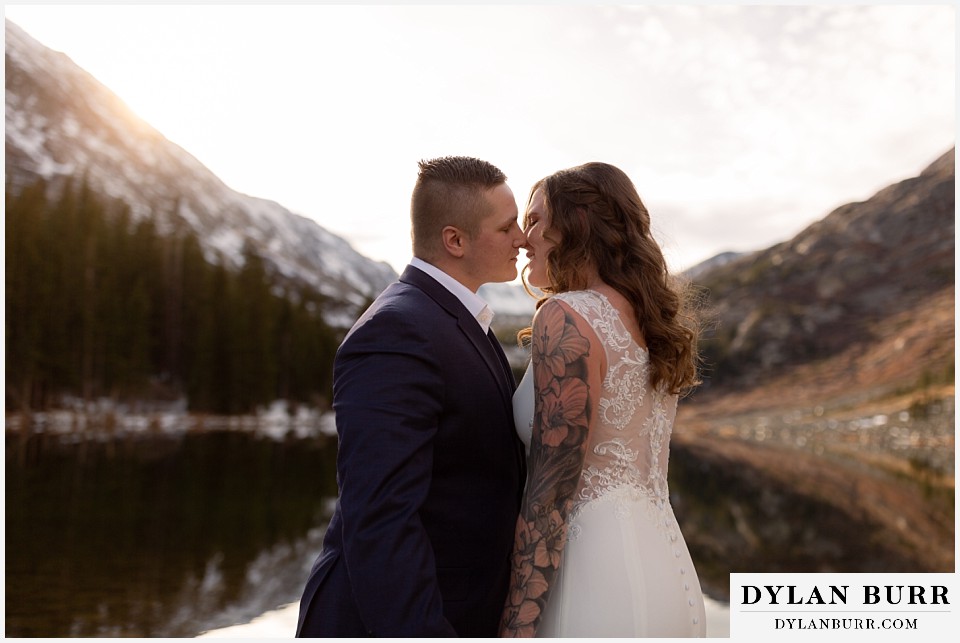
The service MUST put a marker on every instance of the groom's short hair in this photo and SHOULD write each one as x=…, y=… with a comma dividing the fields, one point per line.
x=450, y=191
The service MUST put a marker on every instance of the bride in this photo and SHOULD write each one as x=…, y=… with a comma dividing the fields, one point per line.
x=598, y=551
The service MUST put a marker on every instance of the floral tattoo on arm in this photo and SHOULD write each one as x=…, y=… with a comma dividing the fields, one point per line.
x=558, y=444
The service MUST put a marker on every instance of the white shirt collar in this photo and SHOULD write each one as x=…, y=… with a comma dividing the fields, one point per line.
x=474, y=304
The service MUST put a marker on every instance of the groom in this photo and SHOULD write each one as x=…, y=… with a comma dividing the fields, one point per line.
x=429, y=466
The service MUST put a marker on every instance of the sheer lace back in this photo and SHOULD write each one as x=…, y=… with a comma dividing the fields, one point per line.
x=628, y=447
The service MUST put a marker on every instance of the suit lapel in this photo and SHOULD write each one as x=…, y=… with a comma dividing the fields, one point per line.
x=502, y=358
x=492, y=355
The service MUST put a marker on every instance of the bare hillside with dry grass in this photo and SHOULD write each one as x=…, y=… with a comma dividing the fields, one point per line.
x=823, y=438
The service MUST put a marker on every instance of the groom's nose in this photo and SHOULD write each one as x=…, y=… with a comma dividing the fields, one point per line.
x=520, y=239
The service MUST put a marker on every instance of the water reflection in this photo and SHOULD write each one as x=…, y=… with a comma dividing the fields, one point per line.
x=159, y=533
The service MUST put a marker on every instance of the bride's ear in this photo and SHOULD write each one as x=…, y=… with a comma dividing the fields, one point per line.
x=453, y=240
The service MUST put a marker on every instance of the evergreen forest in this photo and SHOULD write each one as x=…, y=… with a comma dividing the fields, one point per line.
x=100, y=304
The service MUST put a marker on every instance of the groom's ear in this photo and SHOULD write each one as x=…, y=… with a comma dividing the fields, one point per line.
x=453, y=240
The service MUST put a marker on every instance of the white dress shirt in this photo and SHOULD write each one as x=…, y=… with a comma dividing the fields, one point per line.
x=474, y=304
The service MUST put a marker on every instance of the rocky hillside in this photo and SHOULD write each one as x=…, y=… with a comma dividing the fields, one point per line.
x=868, y=274
x=61, y=122
x=823, y=439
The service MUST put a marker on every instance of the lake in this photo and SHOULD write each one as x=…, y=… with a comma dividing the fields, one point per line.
x=168, y=526
x=279, y=623
x=159, y=532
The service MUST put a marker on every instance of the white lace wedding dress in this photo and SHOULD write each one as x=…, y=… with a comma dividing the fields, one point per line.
x=626, y=570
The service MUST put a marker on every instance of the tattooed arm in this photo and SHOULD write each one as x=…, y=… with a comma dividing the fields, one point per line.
x=563, y=374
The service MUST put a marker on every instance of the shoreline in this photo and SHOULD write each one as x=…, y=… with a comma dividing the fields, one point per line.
x=282, y=623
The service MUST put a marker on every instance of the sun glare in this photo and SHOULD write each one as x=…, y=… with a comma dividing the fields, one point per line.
x=310, y=105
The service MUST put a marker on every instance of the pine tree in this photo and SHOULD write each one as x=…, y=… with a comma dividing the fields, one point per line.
x=100, y=304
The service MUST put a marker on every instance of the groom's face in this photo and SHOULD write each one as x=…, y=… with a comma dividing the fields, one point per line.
x=492, y=252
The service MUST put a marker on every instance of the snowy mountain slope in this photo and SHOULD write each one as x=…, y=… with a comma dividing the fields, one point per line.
x=61, y=122
x=695, y=272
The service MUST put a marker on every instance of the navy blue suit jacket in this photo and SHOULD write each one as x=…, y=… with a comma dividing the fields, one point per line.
x=430, y=473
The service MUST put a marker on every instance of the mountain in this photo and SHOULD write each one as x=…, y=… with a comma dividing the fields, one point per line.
x=874, y=277
x=855, y=279
x=695, y=272
x=514, y=308
x=823, y=437
x=61, y=122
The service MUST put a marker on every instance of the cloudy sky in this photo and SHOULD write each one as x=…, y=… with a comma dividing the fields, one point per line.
x=740, y=125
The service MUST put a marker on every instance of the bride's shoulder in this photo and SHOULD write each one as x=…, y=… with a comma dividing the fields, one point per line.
x=563, y=327
x=579, y=306
x=579, y=297
x=586, y=302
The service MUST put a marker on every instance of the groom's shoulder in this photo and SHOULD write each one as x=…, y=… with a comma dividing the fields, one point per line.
x=401, y=298
x=399, y=306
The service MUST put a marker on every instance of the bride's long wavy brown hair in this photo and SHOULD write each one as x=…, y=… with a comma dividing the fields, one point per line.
x=596, y=218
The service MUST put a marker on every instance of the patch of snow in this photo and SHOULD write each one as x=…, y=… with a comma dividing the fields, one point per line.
x=508, y=299
x=129, y=160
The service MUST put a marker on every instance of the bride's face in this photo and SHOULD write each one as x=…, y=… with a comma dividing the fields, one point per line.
x=536, y=223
